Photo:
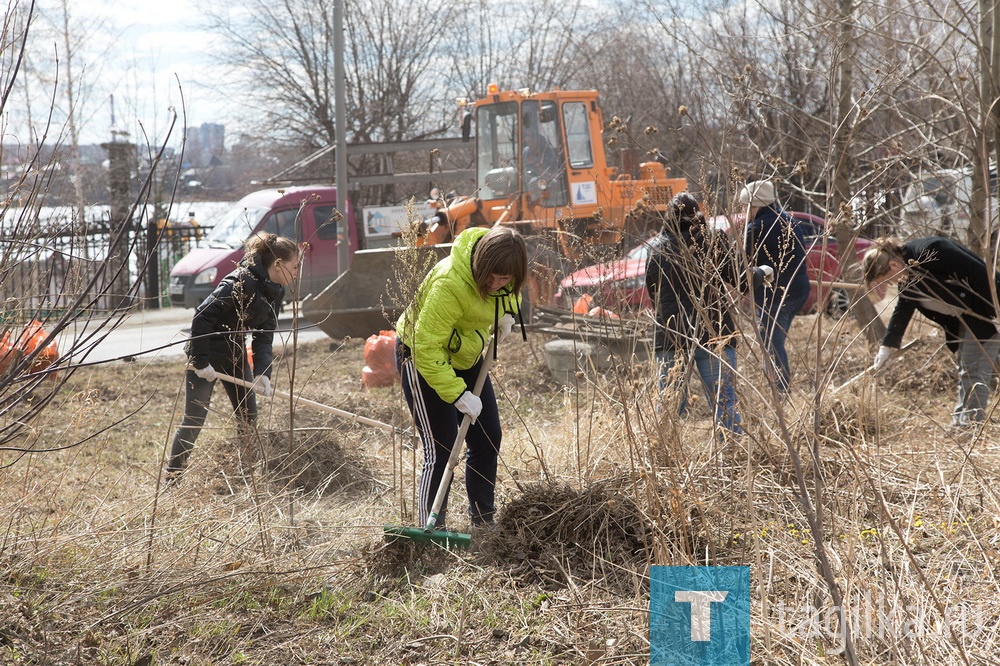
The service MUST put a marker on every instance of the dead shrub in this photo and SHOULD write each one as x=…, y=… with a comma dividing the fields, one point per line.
x=552, y=534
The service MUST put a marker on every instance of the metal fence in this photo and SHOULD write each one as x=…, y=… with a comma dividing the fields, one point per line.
x=170, y=245
x=49, y=274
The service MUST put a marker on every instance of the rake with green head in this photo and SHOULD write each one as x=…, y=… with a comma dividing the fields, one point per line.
x=427, y=533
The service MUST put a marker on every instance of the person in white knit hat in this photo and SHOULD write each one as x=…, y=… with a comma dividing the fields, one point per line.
x=773, y=239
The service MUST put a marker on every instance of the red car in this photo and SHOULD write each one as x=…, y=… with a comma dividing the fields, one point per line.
x=620, y=285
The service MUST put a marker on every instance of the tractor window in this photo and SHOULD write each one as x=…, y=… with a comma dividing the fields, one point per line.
x=581, y=153
x=497, y=140
x=543, y=161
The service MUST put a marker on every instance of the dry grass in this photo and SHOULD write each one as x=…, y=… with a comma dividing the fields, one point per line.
x=271, y=552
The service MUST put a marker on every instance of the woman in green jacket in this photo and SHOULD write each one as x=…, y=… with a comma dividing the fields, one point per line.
x=441, y=339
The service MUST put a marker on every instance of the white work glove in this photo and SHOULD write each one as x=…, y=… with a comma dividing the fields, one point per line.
x=207, y=373
x=884, y=354
x=766, y=273
x=504, y=326
x=470, y=404
x=262, y=386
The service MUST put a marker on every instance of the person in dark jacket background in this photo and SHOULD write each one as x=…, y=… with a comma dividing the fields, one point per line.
x=686, y=275
x=950, y=285
x=246, y=302
x=772, y=238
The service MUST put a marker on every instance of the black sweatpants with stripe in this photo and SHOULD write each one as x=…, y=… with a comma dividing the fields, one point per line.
x=438, y=422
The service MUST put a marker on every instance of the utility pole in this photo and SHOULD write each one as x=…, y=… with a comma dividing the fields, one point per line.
x=340, y=129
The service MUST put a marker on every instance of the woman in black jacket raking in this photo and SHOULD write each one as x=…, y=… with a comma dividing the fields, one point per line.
x=950, y=285
x=246, y=302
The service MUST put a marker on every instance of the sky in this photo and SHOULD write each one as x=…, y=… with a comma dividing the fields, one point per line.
x=144, y=53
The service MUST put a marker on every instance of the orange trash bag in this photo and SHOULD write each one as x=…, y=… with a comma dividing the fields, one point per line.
x=31, y=339
x=27, y=342
x=380, y=361
x=7, y=353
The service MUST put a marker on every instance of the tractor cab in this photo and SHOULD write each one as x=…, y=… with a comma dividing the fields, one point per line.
x=541, y=168
x=534, y=152
x=519, y=149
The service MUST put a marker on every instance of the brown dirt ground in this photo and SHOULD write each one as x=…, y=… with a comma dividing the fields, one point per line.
x=271, y=549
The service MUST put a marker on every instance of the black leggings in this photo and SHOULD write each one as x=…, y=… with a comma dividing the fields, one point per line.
x=197, y=396
x=438, y=423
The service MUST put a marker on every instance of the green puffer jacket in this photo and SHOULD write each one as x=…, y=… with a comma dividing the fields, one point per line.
x=448, y=324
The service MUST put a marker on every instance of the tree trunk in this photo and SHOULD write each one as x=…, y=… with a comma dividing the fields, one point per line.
x=990, y=18
x=978, y=236
x=840, y=211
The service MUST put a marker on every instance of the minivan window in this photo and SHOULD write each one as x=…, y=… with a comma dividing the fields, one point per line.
x=943, y=193
x=282, y=223
x=809, y=228
x=326, y=222
x=233, y=229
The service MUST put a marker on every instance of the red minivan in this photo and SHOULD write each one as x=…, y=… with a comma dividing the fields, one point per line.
x=276, y=211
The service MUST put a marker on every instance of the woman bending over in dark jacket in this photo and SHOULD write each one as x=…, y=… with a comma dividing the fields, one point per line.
x=246, y=302
x=950, y=285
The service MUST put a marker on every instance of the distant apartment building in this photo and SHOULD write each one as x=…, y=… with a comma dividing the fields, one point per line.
x=213, y=143
x=205, y=145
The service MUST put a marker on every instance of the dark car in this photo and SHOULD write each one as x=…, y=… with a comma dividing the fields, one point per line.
x=620, y=285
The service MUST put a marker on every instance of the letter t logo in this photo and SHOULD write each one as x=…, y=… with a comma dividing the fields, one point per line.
x=701, y=610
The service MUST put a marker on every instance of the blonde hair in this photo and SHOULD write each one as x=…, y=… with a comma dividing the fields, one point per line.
x=501, y=251
x=269, y=247
x=875, y=263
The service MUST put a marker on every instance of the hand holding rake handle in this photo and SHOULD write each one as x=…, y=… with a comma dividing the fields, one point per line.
x=869, y=371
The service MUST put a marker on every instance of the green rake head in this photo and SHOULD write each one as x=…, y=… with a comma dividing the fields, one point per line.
x=421, y=535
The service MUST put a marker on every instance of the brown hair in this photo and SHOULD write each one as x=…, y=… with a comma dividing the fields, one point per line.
x=501, y=251
x=270, y=247
x=876, y=261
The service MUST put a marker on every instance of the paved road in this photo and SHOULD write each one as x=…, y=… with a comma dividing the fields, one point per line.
x=149, y=334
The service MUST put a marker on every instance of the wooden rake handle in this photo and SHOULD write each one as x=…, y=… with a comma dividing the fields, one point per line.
x=357, y=418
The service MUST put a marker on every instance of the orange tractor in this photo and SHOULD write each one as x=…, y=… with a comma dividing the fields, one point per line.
x=541, y=168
